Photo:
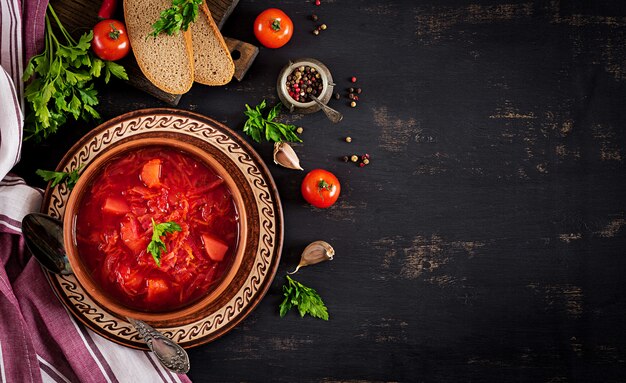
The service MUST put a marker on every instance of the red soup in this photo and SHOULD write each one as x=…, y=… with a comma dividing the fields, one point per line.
x=117, y=217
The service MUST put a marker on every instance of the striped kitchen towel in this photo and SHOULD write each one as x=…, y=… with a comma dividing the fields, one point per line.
x=39, y=340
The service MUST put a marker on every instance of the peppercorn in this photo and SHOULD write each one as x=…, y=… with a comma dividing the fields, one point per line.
x=354, y=158
x=337, y=96
x=351, y=96
x=358, y=90
x=348, y=139
x=318, y=2
x=300, y=130
x=361, y=164
x=353, y=79
x=353, y=104
x=351, y=90
x=346, y=159
x=316, y=32
x=314, y=17
x=305, y=81
x=355, y=98
x=323, y=27
x=366, y=156
x=366, y=161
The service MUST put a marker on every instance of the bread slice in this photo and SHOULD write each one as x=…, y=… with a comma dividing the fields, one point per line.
x=213, y=64
x=167, y=61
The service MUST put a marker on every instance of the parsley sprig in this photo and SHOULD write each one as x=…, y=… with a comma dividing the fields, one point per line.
x=177, y=17
x=156, y=245
x=304, y=298
x=259, y=127
x=63, y=80
x=70, y=178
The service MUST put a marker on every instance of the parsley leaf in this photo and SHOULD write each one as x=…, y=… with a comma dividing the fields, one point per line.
x=304, y=298
x=58, y=177
x=156, y=245
x=177, y=17
x=259, y=127
x=61, y=80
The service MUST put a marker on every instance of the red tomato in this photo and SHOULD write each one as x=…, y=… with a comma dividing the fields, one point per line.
x=273, y=28
x=110, y=40
x=320, y=188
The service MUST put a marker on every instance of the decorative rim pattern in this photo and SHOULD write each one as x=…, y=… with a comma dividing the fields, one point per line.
x=270, y=236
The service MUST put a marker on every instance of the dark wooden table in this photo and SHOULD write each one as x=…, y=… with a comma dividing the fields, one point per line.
x=485, y=241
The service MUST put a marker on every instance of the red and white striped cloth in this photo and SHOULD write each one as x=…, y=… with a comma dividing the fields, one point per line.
x=39, y=340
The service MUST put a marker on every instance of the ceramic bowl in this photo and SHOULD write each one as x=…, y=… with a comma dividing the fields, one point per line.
x=258, y=202
x=237, y=186
x=304, y=107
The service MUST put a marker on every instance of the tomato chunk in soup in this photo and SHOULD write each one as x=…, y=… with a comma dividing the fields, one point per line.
x=114, y=228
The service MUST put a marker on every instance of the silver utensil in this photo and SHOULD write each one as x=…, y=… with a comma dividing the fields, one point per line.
x=169, y=353
x=44, y=238
x=333, y=115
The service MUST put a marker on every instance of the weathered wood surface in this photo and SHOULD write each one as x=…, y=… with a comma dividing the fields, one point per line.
x=485, y=242
x=77, y=15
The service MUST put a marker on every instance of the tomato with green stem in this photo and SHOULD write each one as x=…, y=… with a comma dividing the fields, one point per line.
x=273, y=28
x=320, y=188
x=110, y=40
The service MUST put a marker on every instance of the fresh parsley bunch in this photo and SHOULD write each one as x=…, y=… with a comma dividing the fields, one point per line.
x=177, y=17
x=304, y=298
x=63, y=80
x=259, y=127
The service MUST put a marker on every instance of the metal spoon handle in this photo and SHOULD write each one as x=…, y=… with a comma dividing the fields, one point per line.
x=170, y=354
x=333, y=115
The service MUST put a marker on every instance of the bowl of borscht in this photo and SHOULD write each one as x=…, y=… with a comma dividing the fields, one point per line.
x=156, y=228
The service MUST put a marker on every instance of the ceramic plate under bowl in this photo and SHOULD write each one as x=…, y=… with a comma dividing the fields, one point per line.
x=263, y=211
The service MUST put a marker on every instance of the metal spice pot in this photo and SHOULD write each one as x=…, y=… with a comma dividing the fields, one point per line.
x=308, y=106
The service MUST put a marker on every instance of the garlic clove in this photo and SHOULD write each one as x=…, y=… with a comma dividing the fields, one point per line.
x=285, y=156
x=316, y=252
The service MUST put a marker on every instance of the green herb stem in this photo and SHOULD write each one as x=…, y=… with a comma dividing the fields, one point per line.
x=67, y=36
x=259, y=127
x=304, y=298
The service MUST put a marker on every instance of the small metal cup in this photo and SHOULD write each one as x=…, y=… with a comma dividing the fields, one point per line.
x=304, y=107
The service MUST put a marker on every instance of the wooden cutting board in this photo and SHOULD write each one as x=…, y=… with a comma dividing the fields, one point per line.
x=79, y=16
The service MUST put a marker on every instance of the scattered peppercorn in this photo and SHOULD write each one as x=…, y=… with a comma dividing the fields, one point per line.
x=351, y=90
x=351, y=96
x=355, y=98
x=353, y=104
x=358, y=90
x=300, y=130
x=353, y=79
x=354, y=158
x=316, y=32
x=361, y=164
x=366, y=156
x=365, y=161
x=346, y=158
x=348, y=139
x=314, y=17
x=318, y=2
x=337, y=96
x=323, y=27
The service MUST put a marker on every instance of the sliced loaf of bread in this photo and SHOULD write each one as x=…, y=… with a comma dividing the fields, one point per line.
x=213, y=64
x=167, y=61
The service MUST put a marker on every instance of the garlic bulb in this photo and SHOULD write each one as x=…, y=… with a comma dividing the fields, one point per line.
x=285, y=156
x=316, y=252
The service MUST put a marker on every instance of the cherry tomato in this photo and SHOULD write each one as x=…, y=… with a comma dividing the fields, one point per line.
x=110, y=40
x=320, y=188
x=273, y=28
